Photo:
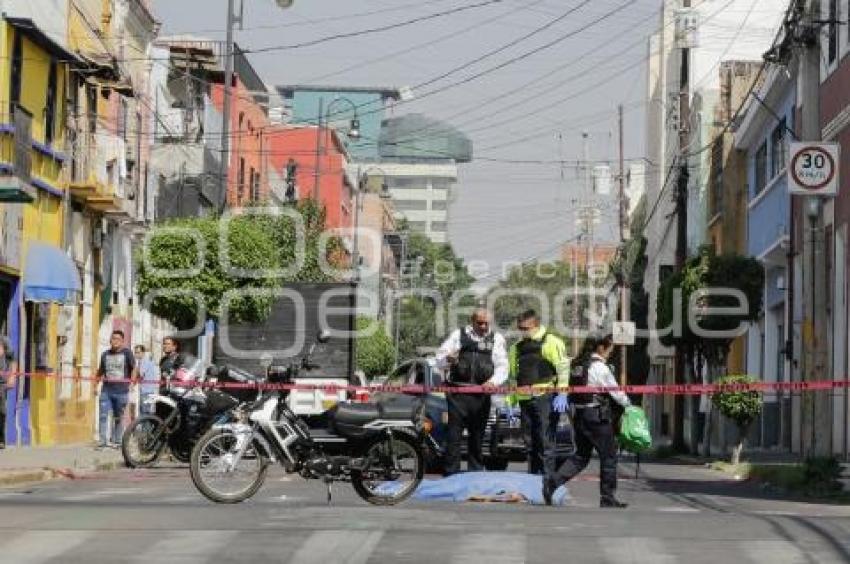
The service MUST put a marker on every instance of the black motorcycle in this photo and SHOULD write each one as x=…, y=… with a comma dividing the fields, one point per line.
x=185, y=409
x=376, y=447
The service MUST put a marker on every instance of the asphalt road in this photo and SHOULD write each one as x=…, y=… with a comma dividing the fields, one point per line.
x=676, y=515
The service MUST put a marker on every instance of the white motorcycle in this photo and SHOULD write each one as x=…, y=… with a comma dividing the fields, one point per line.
x=376, y=447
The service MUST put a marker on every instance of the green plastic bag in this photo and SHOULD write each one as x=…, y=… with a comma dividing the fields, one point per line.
x=634, y=430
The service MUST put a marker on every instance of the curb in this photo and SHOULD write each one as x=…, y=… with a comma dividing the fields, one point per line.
x=45, y=474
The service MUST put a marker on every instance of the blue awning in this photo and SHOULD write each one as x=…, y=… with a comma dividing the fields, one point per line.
x=50, y=276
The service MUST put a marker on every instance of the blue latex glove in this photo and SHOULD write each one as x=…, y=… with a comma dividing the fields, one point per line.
x=559, y=403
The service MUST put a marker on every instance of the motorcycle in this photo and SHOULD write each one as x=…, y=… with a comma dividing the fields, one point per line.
x=183, y=410
x=378, y=448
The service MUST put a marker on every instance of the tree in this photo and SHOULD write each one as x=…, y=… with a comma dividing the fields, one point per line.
x=430, y=267
x=374, y=349
x=256, y=242
x=631, y=267
x=742, y=407
x=709, y=272
x=172, y=248
x=702, y=273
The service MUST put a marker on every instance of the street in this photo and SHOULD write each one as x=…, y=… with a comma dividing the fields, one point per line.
x=677, y=514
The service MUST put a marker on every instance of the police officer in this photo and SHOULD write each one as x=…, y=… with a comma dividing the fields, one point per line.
x=474, y=356
x=593, y=423
x=539, y=360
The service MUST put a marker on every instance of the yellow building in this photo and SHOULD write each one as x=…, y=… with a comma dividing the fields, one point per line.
x=727, y=196
x=37, y=275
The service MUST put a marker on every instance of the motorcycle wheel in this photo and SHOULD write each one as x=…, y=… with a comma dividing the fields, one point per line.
x=143, y=442
x=182, y=455
x=209, y=468
x=396, y=467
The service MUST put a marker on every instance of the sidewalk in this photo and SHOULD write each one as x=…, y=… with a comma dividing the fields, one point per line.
x=32, y=464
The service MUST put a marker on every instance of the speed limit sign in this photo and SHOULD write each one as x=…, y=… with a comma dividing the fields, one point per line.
x=813, y=169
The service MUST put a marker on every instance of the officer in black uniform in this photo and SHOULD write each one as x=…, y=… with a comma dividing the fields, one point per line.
x=593, y=422
x=473, y=355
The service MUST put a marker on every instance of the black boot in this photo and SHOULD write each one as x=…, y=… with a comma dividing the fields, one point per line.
x=549, y=488
x=612, y=502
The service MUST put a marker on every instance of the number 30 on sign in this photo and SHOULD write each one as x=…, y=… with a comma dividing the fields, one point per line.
x=813, y=169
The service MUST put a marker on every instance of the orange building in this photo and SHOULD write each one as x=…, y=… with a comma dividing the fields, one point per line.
x=247, y=178
x=320, y=160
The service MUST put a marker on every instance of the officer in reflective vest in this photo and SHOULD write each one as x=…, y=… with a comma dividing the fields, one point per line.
x=474, y=356
x=539, y=360
x=593, y=422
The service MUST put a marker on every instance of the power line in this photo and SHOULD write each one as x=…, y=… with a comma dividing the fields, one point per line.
x=372, y=30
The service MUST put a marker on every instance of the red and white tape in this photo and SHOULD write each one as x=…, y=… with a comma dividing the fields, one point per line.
x=645, y=389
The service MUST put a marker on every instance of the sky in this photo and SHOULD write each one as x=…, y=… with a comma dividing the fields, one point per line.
x=591, y=57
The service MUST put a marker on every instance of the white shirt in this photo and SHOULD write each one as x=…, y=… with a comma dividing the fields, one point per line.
x=451, y=347
x=598, y=374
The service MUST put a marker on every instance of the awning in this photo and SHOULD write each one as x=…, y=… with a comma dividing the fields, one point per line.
x=50, y=275
x=28, y=28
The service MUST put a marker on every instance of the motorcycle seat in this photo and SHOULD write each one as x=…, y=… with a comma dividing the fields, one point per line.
x=355, y=414
x=396, y=411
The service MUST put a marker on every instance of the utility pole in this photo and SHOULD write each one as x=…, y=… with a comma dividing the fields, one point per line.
x=816, y=438
x=317, y=169
x=624, y=292
x=232, y=20
x=682, y=226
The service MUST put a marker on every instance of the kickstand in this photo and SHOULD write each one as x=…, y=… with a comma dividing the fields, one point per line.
x=637, y=465
x=329, y=483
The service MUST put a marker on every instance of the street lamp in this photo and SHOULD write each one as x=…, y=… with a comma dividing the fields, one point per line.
x=232, y=19
x=354, y=124
x=325, y=115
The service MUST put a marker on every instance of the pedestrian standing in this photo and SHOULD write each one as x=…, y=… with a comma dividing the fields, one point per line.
x=117, y=369
x=539, y=360
x=593, y=423
x=171, y=360
x=474, y=355
x=148, y=377
x=7, y=360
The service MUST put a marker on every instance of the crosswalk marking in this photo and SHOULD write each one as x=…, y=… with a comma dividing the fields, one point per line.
x=186, y=547
x=774, y=551
x=42, y=546
x=490, y=548
x=635, y=550
x=343, y=547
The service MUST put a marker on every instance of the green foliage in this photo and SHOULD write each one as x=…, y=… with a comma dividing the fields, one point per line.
x=255, y=242
x=709, y=271
x=741, y=407
x=250, y=247
x=375, y=352
x=438, y=268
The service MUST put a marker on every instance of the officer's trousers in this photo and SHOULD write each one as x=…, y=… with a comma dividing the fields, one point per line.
x=593, y=430
x=470, y=411
x=539, y=422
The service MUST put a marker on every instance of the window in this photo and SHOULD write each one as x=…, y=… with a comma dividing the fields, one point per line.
x=91, y=107
x=406, y=183
x=761, y=168
x=240, y=181
x=417, y=225
x=717, y=177
x=50, y=108
x=665, y=271
x=411, y=205
x=439, y=226
x=832, y=31
x=439, y=205
x=777, y=149
x=255, y=185
x=17, y=73
x=122, y=120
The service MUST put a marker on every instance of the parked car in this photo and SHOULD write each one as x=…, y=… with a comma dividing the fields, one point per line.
x=503, y=440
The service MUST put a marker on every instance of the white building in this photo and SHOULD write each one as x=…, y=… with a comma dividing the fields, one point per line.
x=422, y=194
